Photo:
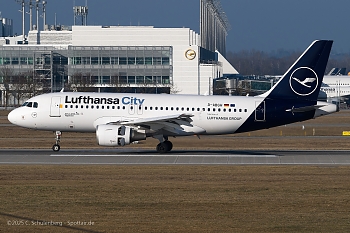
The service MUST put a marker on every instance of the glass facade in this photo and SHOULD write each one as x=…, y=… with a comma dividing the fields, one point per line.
x=123, y=65
x=98, y=65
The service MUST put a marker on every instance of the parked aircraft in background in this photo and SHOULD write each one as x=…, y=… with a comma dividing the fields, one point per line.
x=120, y=118
x=335, y=86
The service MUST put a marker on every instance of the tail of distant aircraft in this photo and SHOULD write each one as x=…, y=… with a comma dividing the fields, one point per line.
x=304, y=78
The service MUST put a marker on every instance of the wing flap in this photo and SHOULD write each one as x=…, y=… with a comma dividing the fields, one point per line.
x=137, y=121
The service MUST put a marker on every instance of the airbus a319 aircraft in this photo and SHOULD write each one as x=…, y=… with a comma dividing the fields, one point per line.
x=120, y=119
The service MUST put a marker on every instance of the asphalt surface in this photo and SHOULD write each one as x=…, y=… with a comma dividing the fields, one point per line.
x=176, y=157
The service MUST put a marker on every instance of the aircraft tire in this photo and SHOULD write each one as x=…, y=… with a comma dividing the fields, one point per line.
x=169, y=145
x=162, y=148
x=56, y=147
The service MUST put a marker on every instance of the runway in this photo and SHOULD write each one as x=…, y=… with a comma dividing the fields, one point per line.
x=177, y=157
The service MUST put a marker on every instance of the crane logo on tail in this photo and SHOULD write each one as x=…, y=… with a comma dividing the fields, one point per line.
x=303, y=81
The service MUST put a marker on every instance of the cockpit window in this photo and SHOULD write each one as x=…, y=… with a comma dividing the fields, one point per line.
x=31, y=104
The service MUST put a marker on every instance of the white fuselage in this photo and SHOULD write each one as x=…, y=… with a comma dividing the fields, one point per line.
x=336, y=86
x=69, y=111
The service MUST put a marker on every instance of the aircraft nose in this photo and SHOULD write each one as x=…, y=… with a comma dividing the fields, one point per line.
x=13, y=117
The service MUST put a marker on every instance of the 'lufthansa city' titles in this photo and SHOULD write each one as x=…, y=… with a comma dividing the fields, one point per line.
x=91, y=100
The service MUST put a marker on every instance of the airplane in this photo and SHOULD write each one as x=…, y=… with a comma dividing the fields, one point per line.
x=119, y=119
x=336, y=86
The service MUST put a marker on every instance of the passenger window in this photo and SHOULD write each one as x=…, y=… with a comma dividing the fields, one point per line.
x=113, y=107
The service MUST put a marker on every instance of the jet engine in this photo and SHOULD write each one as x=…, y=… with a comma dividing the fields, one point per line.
x=117, y=135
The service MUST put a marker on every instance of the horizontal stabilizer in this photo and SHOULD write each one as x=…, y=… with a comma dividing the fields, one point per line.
x=305, y=109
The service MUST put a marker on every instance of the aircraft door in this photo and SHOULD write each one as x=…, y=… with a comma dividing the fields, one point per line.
x=140, y=109
x=55, y=106
x=132, y=109
x=260, y=111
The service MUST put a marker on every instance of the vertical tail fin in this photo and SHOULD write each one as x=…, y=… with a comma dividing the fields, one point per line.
x=303, y=79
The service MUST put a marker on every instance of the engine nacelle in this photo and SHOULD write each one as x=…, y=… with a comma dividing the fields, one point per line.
x=117, y=135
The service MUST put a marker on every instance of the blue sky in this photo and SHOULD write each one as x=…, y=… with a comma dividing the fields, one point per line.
x=266, y=25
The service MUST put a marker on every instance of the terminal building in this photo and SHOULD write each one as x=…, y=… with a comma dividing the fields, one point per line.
x=121, y=58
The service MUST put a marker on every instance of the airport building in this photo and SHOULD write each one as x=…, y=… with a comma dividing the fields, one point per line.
x=121, y=58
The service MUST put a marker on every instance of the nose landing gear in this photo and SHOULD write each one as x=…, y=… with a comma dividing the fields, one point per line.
x=57, y=147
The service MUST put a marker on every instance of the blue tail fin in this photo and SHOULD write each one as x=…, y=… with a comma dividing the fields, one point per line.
x=304, y=78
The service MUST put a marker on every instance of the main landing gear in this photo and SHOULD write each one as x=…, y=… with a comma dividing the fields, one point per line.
x=57, y=147
x=164, y=147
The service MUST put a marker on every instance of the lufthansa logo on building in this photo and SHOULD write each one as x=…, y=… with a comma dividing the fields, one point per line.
x=303, y=81
x=190, y=54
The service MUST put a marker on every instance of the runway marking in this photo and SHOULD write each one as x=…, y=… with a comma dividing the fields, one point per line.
x=159, y=156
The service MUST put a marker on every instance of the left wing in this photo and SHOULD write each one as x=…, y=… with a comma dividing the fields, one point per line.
x=179, y=124
x=137, y=121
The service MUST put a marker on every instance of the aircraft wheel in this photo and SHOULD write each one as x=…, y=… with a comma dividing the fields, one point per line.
x=169, y=145
x=162, y=148
x=56, y=147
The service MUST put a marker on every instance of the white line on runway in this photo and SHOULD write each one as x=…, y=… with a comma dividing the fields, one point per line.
x=157, y=155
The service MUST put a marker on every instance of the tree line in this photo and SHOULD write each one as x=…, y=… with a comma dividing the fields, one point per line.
x=255, y=62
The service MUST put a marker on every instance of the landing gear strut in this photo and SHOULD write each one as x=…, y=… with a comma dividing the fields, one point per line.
x=164, y=147
x=57, y=147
